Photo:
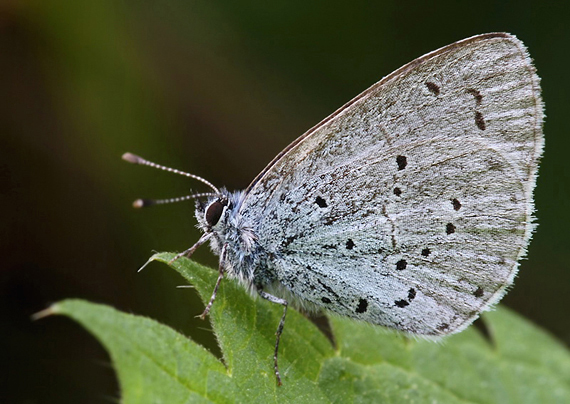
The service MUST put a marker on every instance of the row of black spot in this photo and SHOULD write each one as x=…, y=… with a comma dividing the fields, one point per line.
x=403, y=303
x=363, y=303
x=402, y=264
x=402, y=162
x=479, y=120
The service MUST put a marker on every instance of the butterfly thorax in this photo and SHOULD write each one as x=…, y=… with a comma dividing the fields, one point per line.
x=243, y=255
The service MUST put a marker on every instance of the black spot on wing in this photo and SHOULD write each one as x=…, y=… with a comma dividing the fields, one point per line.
x=401, y=303
x=402, y=162
x=362, y=306
x=456, y=204
x=401, y=265
x=321, y=202
x=479, y=120
x=432, y=87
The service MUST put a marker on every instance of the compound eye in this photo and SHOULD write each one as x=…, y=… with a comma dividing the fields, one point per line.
x=214, y=212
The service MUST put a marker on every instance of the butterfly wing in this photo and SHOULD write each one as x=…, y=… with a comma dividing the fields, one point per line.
x=411, y=205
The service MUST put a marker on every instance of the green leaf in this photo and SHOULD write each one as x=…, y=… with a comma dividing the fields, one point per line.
x=155, y=364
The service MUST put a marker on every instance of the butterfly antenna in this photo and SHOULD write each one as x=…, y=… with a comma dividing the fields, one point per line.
x=134, y=159
x=143, y=203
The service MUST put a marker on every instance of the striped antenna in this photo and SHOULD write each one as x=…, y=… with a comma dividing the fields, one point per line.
x=134, y=159
x=143, y=203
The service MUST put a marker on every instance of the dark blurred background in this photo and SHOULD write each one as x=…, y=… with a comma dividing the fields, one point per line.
x=216, y=88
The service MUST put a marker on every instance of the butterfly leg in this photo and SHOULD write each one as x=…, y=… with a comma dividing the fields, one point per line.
x=220, y=277
x=187, y=253
x=284, y=303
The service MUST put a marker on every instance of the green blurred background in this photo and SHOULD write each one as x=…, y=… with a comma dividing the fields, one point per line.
x=216, y=88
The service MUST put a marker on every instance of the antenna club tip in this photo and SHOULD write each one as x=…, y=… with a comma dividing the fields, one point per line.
x=132, y=158
x=139, y=203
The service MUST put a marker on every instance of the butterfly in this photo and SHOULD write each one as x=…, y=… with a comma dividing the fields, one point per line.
x=409, y=207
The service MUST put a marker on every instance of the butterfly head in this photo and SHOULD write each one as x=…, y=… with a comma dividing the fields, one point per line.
x=218, y=211
x=212, y=213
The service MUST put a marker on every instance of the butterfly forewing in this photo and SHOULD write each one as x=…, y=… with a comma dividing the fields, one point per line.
x=410, y=206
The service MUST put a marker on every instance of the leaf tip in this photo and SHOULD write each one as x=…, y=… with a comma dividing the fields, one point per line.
x=50, y=311
x=160, y=257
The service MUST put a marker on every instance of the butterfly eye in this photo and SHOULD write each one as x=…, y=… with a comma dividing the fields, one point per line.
x=214, y=212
